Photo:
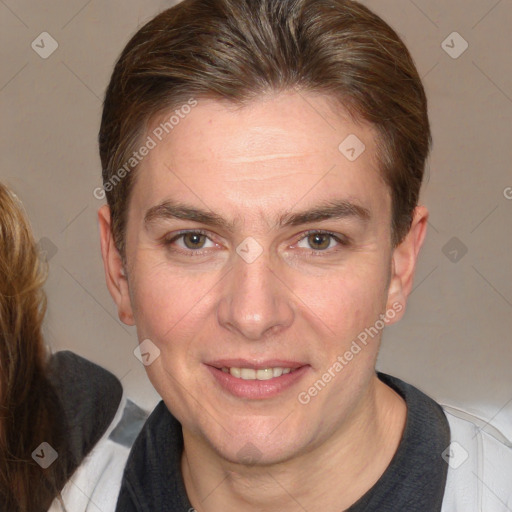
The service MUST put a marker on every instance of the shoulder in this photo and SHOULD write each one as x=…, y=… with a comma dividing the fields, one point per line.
x=97, y=481
x=103, y=424
x=89, y=396
x=479, y=460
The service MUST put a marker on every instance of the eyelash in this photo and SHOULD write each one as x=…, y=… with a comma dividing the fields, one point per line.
x=342, y=241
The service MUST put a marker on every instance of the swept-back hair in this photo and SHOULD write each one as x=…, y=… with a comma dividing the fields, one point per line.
x=238, y=50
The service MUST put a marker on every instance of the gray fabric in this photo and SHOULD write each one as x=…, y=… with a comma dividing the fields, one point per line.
x=413, y=482
x=89, y=397
x=129, y=425
x=415, y=479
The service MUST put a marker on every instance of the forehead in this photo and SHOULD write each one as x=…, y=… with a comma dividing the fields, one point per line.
x=273, y=152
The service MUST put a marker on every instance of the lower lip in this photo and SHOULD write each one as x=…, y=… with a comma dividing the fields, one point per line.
x=257, y=389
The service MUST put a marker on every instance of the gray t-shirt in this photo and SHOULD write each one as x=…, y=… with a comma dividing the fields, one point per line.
x=414, y=481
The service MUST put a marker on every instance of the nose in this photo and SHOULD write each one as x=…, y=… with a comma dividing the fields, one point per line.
x=255, y=301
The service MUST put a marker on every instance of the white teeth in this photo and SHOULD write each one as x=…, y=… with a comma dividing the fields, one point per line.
x=277, y=372
x=247, y=373
x=264, y=374
x=252, y=374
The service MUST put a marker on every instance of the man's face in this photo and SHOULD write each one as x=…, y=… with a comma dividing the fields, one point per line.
x=260, y=289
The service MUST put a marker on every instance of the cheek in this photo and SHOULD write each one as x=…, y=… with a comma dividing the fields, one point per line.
x=166, y=304
x=348, y=300
x=170, y=310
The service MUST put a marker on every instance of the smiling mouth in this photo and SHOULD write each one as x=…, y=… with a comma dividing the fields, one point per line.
x=260, y=374
x=257, y=380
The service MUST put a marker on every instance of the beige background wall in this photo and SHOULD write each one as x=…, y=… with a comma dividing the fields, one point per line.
x=455, y=340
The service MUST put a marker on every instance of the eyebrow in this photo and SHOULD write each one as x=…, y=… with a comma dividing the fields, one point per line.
x=335, y=209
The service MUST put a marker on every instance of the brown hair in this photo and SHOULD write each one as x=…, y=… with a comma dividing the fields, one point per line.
x=29, y=409
x=238, y=50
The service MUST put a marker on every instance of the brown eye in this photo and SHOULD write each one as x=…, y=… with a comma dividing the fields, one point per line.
x=319, y=241
x=322, y=241
x=194, y=240
x=190, y=242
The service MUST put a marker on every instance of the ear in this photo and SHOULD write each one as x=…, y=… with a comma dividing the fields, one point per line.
x=403, y=263
x=115, y=276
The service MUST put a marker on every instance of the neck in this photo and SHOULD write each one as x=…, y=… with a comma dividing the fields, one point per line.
x=352, y=459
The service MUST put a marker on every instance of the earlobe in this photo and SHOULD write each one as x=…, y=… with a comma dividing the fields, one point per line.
x=115, y=275
x=404, y=260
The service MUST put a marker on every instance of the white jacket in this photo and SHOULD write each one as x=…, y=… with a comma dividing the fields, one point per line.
x=480, y=468
x=95, y=484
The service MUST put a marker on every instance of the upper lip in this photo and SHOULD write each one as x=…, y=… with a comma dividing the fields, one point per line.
x=256, y=365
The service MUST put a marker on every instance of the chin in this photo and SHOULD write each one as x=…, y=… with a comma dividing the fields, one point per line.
x=258, y=446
